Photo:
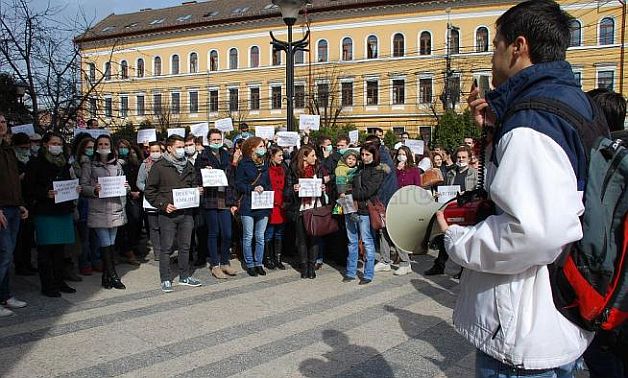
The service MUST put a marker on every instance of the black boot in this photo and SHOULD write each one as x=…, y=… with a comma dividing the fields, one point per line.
x=311, y=271
x=107, y=263
x=114, y=280
x=277, y=254
x=46, y=271
x=305, y=270
x=269, y=261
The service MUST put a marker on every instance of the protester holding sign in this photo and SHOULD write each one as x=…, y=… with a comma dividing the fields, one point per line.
x=171, y=172
x=54, y=224
x=273, y=237
x=252, y=175
x=218, y=204
x=105, y=215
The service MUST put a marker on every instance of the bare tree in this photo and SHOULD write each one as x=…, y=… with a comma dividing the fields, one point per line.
x=327, y=99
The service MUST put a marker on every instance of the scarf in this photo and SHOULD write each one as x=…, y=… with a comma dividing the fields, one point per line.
x=58, y=161
x=178, y=164
x=308, y=172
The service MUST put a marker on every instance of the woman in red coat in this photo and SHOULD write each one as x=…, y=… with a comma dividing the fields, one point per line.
x=273, y=237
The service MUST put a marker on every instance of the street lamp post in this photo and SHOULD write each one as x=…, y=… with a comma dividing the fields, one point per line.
x=289, y=12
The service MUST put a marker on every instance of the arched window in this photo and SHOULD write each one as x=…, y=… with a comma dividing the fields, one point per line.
x=193, y=62
x=347, y=49
x=607, y=31
x=575, y=33
x=174, y=68
x=157, y=66
x=299, y=57
x=124, y=70
x=322, y=51
x=92, y=73
x=425, y=40
x=140, y=68
x=399, y=45
x=371, y=47
x=108, y=71
x=213, y=60
x=233, y=59
x=454, y=41
x=254, y=58
x=481, y=39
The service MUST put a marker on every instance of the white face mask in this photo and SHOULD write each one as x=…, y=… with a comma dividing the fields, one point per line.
x=104, y=151
x=190, y=150
x=55, y=150
x=402, y=158
x=461, y=164
x=179, y=153
x=155, y=156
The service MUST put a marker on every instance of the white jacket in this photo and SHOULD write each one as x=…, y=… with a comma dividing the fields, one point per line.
x=505, y=305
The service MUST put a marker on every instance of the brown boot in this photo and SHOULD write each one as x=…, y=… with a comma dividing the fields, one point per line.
x=227, y=269
x=218, y=273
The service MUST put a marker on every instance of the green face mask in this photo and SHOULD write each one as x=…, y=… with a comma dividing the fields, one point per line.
x=343, y=150
x=329, y=148
x=260, y=151
x=89, y=152
x=215, y=146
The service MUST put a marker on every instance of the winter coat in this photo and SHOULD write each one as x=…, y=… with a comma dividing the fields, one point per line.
x=470, y=178
x=162, y=179
x=278, y=181
x=102, y=212
x=292, y=199
x=390, y=185
x=409, y=176
x=246, y=179
x=10, y=190
x=40, y=174
x=366, y=184
x=213, y=197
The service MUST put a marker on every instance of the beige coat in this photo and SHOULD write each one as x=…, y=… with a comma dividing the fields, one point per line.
x=102, y=212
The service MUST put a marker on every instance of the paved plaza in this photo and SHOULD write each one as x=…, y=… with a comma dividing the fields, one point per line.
x=273, y=326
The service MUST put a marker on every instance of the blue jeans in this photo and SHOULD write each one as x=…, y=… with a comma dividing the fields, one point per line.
x=488, y=367
x=106, y=236
x=218, y=223
x=8, y=238
x=274, y=231
x=355, y=230
x=90, y=255
x=249, y=225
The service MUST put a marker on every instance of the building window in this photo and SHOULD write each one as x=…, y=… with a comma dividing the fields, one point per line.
x=157, y=66
x=347, y=93
x=322, y=95
x=372, y=89
x=157, y=104
x=606, y=79
x=213, y=60
x=124, y=70
x=454, y=89
x=425, y=47
x=276, y=56
x=93, y=107
x=233, y=99
x=576, y=33
x=607, y=31
x=140, y=67
x=399, y=91
x=193, y=102
x=193, y=63
x=92, y=73
x=454, y=41
x=299, y=96
x=124, y=106
x=299, y=57
x=254, y=98
x=254, y=57
x=139, y=105
x=347, y=49
x=481, y=39
x=233, y=59
x=425, y=90
x=175, y=103
x=108, y=71
x=276, y=97
x=577, y=75
x=108, y=107
x=213, y=100
x=322, y=51
x=399, y=48
x=174, y=68
x=371, y=47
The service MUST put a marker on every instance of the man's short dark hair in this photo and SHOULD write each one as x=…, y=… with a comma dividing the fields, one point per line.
x=244, y=126
x=543, y=24
x=345, y=138
x=213, y=131
x=377, y=129
x=20, y=139
x=322, y=139
x=174, y=138
x=189, y=138
x=372, y=139
x=613, y=105
x=92, y=121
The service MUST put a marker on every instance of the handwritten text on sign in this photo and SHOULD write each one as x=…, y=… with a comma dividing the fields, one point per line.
x=186, y=198
x=263, y=200
x=214, y=177
x=288, y=139
x=112, y=186
x=180, y=131
x=201, y=129
x=310, y=187
x=66, y=190
x=265, y=132
x=354, y=136
x=447, y=193
x=416, y=146
x=146, y=136
x=225, y=125
x=310, y=122
x=26, y=129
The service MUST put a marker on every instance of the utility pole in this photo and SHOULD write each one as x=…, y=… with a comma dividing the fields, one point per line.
x=446, y=97
x=622, y=48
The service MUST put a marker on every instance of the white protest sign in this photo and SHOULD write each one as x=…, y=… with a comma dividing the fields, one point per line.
x=26, y=129
x=112, y=186
x=265, y=132
x=66, y=190
x=180, y=131
x=311, y=122
x=225, y=124
x=147, y=205
x=354, y=136
x=310, y=187
x=201, y=129
x=214, y=177
x=94, y=133
x=288, y=139
x=264, y=200
x=416, y=146
x=186, y=198
x=146, y=136
x=447, y=192
x=347, y=204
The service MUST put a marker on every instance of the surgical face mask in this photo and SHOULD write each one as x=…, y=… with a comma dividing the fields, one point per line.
x=343, y=150
x=155, y=156
x=190, y=150
x=55, y=150
x=329, y=148
x=260, y=151
x=124, y=152
x=215, y=146
x=179, y=153
x=104, y=151
x=89, y=152
x=35, y=149
x=402, y=158
x=23, y=154
x=461, y=164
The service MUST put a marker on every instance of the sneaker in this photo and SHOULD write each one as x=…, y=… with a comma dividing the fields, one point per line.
x=14, y=303
x=166, y=287
x=4, y=312
x=227, y=269
x=218, y=273
x=382, y=267
x=365, y=281
x=403, y=270
x=190, y=281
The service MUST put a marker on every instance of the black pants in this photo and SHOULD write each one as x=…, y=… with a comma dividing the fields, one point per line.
x=177, y=226
x=24, y=245
x=50, y=264
x=307, y=245
x=441, y=259
x=129, y=235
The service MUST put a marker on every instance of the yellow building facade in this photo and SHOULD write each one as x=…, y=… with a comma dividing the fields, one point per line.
x=370, y=63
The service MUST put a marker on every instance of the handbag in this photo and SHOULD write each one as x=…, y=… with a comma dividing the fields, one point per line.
x=377, y=214
x=318, y=221
x=431, y=177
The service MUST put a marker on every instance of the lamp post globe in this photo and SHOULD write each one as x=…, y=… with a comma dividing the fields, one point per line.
x=290, y=9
